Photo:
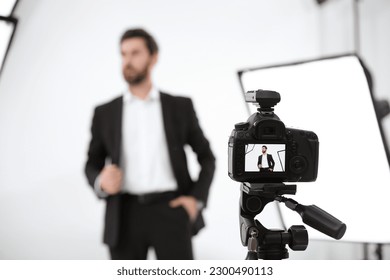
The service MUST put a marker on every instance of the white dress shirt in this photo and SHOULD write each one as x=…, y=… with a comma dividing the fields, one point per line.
x=264, y=161
x=145, y=159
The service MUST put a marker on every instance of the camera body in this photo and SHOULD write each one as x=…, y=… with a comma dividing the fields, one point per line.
x=263, y=150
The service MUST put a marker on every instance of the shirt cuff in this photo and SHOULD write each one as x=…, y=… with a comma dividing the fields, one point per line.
x=200, y=205
x=98, y=189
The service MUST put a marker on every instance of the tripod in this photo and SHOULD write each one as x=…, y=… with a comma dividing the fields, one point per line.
x=270, y=244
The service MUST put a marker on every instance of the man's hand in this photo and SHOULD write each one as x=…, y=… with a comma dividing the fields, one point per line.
x=111, y=179
x=189, y=203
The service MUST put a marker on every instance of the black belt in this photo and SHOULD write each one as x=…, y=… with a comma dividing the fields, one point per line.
x=151, y=198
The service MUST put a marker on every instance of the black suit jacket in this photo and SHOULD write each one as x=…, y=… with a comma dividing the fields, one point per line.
x=271, y=162
x=181, y=128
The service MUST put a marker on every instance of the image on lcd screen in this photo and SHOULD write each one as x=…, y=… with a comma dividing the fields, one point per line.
x=265, y=158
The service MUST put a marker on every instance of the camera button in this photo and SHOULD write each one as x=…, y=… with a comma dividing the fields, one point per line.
x=241, y=126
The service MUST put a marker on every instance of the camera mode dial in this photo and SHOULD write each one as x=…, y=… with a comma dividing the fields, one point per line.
x=298, y=164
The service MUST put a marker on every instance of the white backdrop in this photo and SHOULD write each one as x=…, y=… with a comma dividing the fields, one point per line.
x=65, y=60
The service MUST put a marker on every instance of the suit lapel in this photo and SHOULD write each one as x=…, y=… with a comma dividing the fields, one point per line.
x=117, y=125
x=169, y=123
x=167, y=112
x=113, y=213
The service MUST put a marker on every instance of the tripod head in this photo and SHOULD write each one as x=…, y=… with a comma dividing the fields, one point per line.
x=264, y=243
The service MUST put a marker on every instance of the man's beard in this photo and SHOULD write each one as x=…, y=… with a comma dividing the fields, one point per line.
x=136, y=78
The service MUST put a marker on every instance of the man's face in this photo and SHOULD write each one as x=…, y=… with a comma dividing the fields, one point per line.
x=137, y=62
x=263, y=150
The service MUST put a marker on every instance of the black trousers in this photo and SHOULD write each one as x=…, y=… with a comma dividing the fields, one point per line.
x=265, y=170
x=154, y=224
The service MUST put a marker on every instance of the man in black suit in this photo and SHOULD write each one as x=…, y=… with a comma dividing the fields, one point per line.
x=137, y=163
x=265, y=162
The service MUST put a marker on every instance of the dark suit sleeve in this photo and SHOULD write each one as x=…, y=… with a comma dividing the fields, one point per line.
x=206, y=159
x=271, y=161
x=96, y=152
x=259, y=160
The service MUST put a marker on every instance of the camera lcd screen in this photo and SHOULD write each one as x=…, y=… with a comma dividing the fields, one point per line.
x=265, y=158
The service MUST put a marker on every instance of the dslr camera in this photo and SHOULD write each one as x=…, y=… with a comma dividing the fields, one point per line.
x=263, y=150
x=263, y=154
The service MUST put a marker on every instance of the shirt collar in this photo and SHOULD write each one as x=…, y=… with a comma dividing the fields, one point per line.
x=153, y=95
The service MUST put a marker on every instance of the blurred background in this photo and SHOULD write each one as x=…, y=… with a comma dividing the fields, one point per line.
x=62, y=59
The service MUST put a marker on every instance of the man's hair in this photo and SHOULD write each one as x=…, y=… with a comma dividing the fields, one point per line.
x=141, y=33
x=265, y=147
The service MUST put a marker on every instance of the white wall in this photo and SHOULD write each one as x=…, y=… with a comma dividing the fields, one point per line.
x=65, y=60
